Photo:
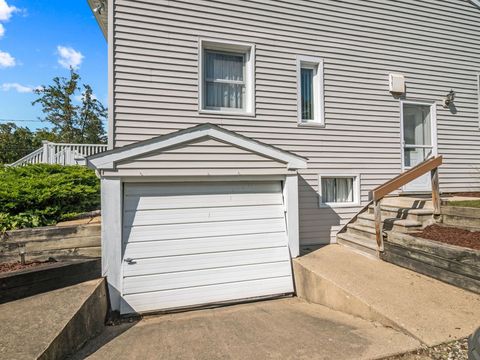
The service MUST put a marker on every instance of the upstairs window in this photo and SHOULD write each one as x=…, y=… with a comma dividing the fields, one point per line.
x=226, y=78
x=310, y=91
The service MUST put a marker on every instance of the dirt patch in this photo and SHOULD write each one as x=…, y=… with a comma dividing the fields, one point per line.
x=9, y=267
x=451, y=235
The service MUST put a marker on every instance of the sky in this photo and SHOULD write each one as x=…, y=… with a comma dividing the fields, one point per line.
x=41, y=39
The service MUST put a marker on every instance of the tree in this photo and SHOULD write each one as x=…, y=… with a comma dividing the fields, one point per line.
x=72, y=123
x=17, y=141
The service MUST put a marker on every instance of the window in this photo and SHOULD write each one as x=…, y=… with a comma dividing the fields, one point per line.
x=339, y=190
x=310, y=91
x=226, y=78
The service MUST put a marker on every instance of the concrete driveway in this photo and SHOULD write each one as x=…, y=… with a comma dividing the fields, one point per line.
x=277, y=329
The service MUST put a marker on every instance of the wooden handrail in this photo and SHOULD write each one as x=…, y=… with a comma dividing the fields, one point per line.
x=430, y=165
x=407, y=176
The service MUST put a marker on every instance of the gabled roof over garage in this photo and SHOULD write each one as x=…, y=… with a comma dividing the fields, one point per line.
x=205, y=149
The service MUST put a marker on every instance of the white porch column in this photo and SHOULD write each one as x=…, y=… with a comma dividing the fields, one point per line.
x=46, y=152
x=290, y=194
x=112, y=200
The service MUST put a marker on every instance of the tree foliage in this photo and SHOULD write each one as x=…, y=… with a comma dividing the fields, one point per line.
x=38, y=195
x=72, y=123
x=16, y=141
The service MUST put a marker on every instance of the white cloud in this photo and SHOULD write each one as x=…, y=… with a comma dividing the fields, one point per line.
x=6, y=60
x=17, y=87
x=69, y=57
x=6, y=11
x=2, y=31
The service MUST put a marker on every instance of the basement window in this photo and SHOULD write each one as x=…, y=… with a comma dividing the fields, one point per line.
x=339, y=190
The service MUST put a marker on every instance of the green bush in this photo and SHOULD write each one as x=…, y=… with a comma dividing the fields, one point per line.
x=39, y=195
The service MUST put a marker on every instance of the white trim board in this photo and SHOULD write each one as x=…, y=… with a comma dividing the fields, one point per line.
x=108, y=159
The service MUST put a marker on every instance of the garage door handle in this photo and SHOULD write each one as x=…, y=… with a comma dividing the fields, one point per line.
x=130, y=261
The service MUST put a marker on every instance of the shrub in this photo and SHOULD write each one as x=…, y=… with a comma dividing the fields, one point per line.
x=39, y=195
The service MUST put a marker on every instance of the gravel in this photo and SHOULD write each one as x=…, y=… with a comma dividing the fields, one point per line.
x=455, y=350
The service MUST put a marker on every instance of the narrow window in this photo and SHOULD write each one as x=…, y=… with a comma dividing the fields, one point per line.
x=339, y=190
x=310, y=91
x=307, y=94
x=226, y=78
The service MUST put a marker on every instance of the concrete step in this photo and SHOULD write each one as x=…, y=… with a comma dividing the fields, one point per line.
x=359, y=243
x=54, y=324
x=419, y=215
x=359, y=230
x=400, y=225
x=410, y=202
x=429, y=310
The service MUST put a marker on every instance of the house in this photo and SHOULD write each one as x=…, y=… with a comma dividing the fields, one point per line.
x=242, y=131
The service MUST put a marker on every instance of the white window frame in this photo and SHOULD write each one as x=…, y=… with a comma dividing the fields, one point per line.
x=478, y=98
x=228, y=47
x=356, y=190
x=315, y=63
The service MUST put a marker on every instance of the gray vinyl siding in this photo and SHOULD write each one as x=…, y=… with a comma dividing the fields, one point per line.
x=201, y=158
x=435, y=44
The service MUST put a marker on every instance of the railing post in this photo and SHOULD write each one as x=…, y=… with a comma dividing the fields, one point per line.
x=46, y=153
x=378, y=225
x=436, y=201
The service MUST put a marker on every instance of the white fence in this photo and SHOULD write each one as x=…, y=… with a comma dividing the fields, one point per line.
x=62, y=154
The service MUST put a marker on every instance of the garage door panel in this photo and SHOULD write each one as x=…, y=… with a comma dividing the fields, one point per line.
x=223, y=228
x=169, y=189
x=166, y=248
x=134, y=203
x=172, y=299
x=158, y=265
x=204, y=277
x=197, y=243
x=179, y=216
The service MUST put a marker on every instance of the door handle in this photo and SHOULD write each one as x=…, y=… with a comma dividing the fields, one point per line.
x=130, y=261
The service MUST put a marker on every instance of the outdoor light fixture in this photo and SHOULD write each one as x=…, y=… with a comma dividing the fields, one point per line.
x=449, y=99
x=99, y=8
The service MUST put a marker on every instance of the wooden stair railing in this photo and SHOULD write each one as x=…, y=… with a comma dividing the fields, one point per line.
x=430, y=165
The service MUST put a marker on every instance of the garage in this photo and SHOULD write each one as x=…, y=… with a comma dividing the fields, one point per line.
x=191, y=244
x=197, y=217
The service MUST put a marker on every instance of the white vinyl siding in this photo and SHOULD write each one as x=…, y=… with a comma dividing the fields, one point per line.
x=199, y=243
x=361, y=42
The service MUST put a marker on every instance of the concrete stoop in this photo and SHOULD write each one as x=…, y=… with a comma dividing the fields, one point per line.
x=54, y=324
x=428, y=310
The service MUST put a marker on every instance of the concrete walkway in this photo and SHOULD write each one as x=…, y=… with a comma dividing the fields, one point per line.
x=429, y=310
x=276, y=329
x=52, y=324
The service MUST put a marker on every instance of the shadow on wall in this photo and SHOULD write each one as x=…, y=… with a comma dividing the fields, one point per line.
x=316, y=223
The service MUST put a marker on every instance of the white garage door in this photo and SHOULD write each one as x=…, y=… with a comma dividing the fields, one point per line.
x=197, y=243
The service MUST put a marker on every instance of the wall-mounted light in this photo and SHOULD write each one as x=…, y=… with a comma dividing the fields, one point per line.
x=98, y=10
x=449, y=99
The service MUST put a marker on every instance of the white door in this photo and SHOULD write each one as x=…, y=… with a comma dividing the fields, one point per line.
x=418, y=140
x=188, y=244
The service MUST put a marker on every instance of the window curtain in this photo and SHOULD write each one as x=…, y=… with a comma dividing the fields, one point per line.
x=225, y=87
x=336, y=190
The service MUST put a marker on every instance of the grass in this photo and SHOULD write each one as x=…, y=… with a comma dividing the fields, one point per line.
x=465, y=203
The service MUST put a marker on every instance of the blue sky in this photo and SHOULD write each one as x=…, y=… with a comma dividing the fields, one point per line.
x=40, y=39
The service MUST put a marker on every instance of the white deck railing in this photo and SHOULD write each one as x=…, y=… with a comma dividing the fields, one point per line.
x=62, y=154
